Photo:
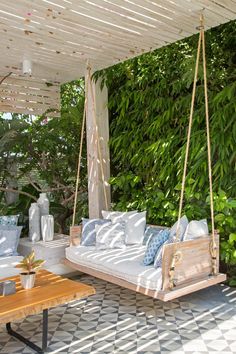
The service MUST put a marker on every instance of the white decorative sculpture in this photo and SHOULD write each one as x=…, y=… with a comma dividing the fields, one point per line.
x=43, y=204
x=34, y=222
x=47, y=227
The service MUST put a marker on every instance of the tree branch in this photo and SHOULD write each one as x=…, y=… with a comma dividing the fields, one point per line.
x=5, y=77
x=65, y=201
x=19, y=192
x=72, y=196
x=48, y=190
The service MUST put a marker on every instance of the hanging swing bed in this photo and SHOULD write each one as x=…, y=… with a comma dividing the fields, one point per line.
x=187, y=266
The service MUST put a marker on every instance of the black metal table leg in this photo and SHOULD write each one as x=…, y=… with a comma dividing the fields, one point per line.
x=28, y=342
x=45, y=330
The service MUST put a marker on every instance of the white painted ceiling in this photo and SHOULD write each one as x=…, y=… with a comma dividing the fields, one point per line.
x=59, y=36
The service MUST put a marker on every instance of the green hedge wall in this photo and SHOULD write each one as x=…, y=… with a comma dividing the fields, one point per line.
x=149, y=102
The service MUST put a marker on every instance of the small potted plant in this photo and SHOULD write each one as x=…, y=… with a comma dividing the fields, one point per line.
x=29, y=265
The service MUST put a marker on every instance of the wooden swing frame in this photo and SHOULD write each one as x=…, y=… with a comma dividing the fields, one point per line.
x=193, y=271
x=187, y=266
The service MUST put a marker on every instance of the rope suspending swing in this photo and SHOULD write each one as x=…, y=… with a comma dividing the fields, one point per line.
x=88, y=86
x=177, y=255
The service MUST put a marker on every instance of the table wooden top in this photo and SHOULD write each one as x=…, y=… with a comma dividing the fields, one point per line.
x=50, y=290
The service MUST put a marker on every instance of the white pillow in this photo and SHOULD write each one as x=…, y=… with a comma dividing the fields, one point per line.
x=116, y=216
x=110, y=236
x=195, y=229
x=135, y=228
x=182, y=228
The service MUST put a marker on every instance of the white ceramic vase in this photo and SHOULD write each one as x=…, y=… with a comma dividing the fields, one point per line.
x=34, y=223
x=27, y=280
x=47, y=227
x=43, y=204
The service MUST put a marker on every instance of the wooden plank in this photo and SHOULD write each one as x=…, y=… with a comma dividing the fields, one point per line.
x=68, y=13
x=149, y=12
x=121, y=21
x=186, y=289
x=59, y=47
x=17, y=96
x=31, y=83
x=195, y=262
x=28, y=105
x=73, y=19
x=149, y=34
x=36, y=112
x=65, y=33
x=160, y=295
x=27, y=92
x=221, y=10
x=25, y=95
x=50, y=290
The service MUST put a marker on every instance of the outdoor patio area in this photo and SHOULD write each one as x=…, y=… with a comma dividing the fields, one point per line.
x=117, y=176
x=117, y=320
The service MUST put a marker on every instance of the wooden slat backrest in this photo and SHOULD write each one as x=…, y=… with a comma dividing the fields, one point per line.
x=195, y=260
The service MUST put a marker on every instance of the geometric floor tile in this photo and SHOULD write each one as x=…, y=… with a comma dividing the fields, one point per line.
x=119, y=321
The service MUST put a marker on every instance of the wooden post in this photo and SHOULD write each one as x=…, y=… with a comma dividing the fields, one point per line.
x=97, y=115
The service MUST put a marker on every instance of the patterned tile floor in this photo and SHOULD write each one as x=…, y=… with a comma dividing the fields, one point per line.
x=119, y=321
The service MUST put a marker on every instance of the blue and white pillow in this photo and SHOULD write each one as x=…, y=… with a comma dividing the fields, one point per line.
x=182, y=228
x=117, y=216
x=110, y=236
x=158, y=256
x=9, y=220
x=135, y=227
x=9, y=239
x=88, y=237
x=195, y=229
x=150, y=231
x=154, y=244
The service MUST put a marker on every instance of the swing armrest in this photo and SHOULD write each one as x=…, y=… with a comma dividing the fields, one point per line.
x=195, y=260
x=75, y=235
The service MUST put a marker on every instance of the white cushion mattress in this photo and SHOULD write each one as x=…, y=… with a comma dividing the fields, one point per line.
x=7, y=266
x=123, y=263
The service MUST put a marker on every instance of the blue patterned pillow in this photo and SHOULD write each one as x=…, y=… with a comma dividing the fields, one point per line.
x=9, y=220
x=88, y=237
x=154, y=244
x=182, y=227
x=158, y=256
x=150, y=231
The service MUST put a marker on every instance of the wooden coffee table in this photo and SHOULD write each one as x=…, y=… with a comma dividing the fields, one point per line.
x=50, y=290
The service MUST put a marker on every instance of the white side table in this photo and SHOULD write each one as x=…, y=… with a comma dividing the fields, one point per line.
x=51, y=251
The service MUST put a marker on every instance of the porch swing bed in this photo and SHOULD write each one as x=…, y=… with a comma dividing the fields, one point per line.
x=124, y=268
x=187, y=266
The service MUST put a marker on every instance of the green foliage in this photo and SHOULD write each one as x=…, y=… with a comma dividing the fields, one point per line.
x=149, y=102
x=46, y=150
x=226, y=223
